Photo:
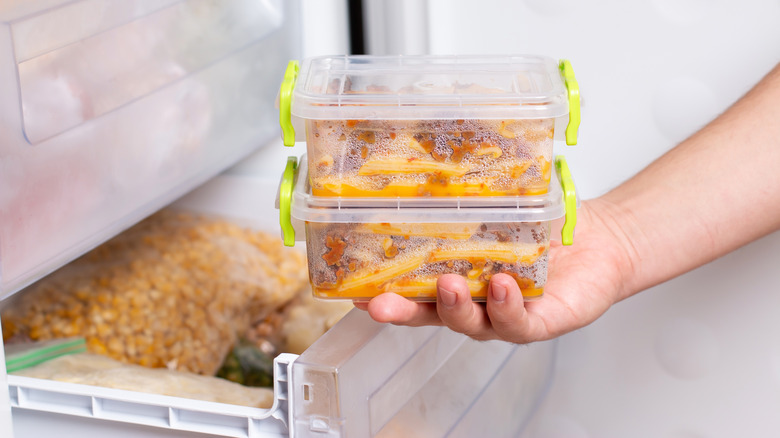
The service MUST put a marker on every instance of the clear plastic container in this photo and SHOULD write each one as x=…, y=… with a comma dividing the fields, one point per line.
x=359, y=248
x=110, y=110
x=390, y=126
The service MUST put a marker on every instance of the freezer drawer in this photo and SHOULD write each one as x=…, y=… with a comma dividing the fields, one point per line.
x=110, y=110
x=366, y=379
x=361, y=379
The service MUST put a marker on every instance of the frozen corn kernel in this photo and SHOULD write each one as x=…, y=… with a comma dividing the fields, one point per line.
x=175, y=290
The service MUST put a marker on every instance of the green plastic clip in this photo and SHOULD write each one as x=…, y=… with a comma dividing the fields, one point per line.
x=569, y=200
x=285, y=102
x=285, y=201
x=573, y=90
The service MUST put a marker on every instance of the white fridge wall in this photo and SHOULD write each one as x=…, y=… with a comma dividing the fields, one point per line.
x=697, y=356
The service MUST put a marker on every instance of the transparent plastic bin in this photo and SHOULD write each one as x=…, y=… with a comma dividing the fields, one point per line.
x=110, y=110
x=359, y=248
x=430, y=125
x=360, y=379
x=375, y=380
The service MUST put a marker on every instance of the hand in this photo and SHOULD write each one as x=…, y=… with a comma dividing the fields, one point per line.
x=584, y=280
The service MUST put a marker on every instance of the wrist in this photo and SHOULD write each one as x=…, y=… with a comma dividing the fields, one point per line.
x=620, y=242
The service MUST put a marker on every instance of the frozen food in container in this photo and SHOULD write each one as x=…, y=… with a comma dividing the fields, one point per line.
x=412, y=126
x=359, y=248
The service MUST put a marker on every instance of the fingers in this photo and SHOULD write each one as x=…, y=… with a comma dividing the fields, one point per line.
x=393, y=308
x=504, y=316
x=506, y=310
x=458, y=311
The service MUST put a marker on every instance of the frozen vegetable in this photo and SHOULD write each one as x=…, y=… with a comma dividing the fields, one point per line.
x=248, y=365
x=294, y=327
x=174, y=291
x=290, y=329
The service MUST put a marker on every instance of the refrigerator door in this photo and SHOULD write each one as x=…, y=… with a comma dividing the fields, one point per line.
x=691, y=351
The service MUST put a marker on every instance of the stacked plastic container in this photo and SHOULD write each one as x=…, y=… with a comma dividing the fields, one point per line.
x=421, y=166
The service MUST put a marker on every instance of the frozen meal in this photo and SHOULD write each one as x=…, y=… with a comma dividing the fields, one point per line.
x=359, y=248
x=389, y=126
x=362, y=260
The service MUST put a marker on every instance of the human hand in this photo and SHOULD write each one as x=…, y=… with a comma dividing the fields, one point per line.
x=584, y=280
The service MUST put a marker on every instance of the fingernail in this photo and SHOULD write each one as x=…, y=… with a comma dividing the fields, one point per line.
x=447, y=297
x=498, y=291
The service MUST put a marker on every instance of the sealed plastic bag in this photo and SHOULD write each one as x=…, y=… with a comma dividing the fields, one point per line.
x=94, y=369
x=290, y=329
x=174, y=291
x=295, y=326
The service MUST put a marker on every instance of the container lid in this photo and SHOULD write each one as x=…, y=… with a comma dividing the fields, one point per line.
x=297, y=204
x=429, y=87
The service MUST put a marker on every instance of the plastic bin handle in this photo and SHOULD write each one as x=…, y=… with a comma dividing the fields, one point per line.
x=569, y=200
x=285, y=102
x=285, y=201
x=573, y=91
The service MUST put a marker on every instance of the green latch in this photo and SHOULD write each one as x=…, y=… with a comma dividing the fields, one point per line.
x=285, y=101
x=573, y=90
x=285, y=201
x=569, y=200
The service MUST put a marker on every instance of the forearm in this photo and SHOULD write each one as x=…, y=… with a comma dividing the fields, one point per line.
x=715, y=192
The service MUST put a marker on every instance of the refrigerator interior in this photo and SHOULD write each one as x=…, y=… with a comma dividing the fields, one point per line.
x=695, y=356
x=102, y=129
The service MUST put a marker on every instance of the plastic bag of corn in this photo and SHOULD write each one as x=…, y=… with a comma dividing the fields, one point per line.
x=173, y=291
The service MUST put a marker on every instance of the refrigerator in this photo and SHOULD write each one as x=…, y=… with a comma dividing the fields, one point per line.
x=112, y=111
x=693, y=357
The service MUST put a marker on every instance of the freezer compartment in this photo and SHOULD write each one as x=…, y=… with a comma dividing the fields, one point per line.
x=430, y=125
x=85, y=410
x=413, y=377
x=110, y=110
x=176, y=291
x=359, y=248
x=360, y=379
